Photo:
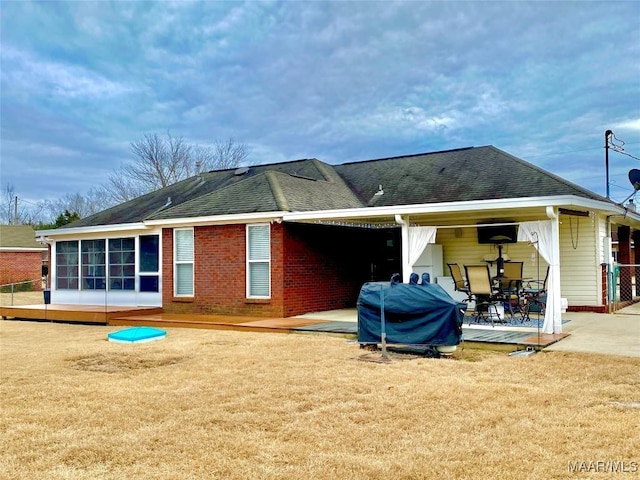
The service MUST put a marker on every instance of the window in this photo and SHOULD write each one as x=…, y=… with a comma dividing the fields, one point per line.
x=67, y=265
x=258, y=261
x=149, y=258
x=183, y=258
x=122, y=266
x=93, y=265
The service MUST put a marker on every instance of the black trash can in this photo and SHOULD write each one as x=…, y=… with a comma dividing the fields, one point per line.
x=47, y=296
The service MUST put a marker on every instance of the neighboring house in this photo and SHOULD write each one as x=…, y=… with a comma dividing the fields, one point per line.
x=301, y=236
x=21, y=256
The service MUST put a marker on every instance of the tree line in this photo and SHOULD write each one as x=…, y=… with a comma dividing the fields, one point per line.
x=158, y=161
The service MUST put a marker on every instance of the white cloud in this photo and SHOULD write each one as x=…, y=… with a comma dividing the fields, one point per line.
x=633, y=125
x=22, y=71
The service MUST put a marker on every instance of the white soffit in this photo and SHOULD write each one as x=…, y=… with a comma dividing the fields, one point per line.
x=569, y=201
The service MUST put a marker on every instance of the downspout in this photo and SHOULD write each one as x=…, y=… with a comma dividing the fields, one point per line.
x=406, y=268
x=553, y=316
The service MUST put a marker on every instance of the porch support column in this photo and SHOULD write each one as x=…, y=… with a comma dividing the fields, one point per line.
x=404, y=236
x=624, y=258
x=553, y=312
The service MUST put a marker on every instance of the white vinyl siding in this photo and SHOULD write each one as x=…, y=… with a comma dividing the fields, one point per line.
x=462, y=247
x=258, y=261
x=183, y=262
x=580, y=258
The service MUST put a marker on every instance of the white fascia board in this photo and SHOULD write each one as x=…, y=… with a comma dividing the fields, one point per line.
x=453, y=207
x=120, y=227
x=23, y=249
x=217, y=219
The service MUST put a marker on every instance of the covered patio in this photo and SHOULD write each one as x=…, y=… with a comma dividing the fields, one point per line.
x=569, y=241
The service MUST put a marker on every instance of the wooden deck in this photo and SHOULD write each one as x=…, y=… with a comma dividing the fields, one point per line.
x=99, y=314
x=506, y=339
x=150, y=317
x=154, y=317
x=218, y=322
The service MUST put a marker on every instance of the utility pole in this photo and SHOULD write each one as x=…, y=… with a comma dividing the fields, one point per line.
x=607, y=134
x=15, y=211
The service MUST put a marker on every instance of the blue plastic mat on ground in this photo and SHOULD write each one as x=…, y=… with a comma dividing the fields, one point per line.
x=137, y=335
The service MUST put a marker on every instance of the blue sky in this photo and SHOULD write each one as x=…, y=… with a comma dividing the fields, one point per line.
x=338, y=81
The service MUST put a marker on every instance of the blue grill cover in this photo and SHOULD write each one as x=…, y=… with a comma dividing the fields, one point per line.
x=414, y=314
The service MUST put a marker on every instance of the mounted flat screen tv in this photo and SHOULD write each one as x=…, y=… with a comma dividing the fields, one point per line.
x=498, y=234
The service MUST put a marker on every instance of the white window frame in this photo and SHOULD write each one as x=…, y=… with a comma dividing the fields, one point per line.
x=148, y=273
x=250, y=261
x=183, y=261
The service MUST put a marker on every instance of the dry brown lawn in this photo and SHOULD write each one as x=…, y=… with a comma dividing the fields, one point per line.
x=206, y=404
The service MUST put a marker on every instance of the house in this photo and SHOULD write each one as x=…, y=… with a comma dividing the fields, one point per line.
x=21, y=257
x=289, y=238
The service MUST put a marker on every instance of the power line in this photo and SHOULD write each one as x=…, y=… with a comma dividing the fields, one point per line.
x=577, y=151
x=615, y=148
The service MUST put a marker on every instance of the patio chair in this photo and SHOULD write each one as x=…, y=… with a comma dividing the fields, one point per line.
x=487, y=298
x=459, y=282
x=511, y=286
x=535, y=295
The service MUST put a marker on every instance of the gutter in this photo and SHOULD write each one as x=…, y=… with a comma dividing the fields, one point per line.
x=453, y=207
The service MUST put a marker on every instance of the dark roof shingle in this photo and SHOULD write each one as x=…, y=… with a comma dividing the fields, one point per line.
x=466, y=174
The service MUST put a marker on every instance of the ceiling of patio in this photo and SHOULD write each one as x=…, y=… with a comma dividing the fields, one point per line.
x=458, y=219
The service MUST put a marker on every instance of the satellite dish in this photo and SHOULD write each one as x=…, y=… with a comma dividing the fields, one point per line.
x=634, y=178
x=243, y=170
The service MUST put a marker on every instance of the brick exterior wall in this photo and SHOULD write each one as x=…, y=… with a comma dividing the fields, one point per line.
x=313, y=268
x=605, y=284
x=20, y=266
x=220, y=274
x=325, y=266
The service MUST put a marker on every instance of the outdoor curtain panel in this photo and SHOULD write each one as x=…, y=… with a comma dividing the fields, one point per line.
x=539, y=233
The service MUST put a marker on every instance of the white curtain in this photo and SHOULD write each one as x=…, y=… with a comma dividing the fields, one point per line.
x=419, y=238
x=540, y=234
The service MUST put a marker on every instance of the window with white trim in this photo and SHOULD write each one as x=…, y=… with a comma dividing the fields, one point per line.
x=94, y=270
x=183, y=262
x=258, y=261
x=122, y=264
x=67, y=265
x=149, y=260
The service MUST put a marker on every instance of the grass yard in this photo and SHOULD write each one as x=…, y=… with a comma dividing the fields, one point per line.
x=219, y=404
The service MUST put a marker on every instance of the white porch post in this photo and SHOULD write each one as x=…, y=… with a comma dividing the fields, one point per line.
x=404, y=236
x=553, y=313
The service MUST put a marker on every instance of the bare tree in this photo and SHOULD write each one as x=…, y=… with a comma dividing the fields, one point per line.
x=16, y=212
x=228, y=154
x=8, y=206
x=160, y=162
x=82, y=205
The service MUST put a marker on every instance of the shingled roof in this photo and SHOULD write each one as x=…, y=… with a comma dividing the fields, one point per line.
x=467, y=174
x=19, y=237
x=156, y=204
x=269, y=191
